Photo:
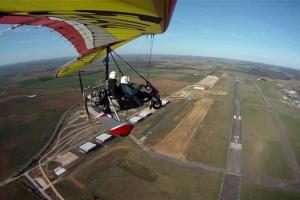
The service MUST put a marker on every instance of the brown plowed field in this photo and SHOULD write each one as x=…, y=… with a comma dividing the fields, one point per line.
x=168, y=85
x=77, y=183
x=209, y=81
x=5, y=166
x=175, y=144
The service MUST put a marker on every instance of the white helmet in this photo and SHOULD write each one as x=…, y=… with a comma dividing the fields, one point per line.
x=113, y=75
x=125, y=79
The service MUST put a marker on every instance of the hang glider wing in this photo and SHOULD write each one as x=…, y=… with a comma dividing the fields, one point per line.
x=91, y=25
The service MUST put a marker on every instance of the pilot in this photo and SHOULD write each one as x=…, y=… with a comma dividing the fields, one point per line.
x=113, y=87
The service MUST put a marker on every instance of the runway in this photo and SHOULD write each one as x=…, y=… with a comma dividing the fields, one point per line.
x=230, y=189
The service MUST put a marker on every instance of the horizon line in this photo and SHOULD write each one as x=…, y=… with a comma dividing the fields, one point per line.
x=233, y=59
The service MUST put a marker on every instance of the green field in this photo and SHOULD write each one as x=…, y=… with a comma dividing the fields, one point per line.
x=166, y=123
x=225, y=83
x=289, y=115
x=272, y=93
x=191, y=78
x=4, y=79
x=250, y=191
x=26, y=126
x=263, y=152
x=144, y=126
x=291, y=123
x=269, y=89
x=130, y=174
x=20, y=142
x=15, y=191
x=64, y=82
x=210, y=143
x=248, y=92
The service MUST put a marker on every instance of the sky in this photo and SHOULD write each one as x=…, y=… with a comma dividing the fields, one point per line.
x=260, y=31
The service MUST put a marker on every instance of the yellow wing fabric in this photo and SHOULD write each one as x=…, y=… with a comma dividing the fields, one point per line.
x=91, y=25
x=81, y=62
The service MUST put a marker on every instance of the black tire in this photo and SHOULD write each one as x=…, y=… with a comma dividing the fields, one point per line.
x=156, y=104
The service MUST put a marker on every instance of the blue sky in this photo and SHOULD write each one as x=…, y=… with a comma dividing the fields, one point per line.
x=263, y=31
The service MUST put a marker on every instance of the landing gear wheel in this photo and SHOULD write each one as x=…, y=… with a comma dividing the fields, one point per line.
x=156, y=104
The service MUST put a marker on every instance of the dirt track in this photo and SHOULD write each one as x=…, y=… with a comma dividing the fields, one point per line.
x=218, y=93
x=209, y=81
x=77, y=183
x=176, y=142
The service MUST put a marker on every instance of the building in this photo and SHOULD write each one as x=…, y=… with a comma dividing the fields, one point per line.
x=199, y=88
x=87, y=147
x=59, y=171
x=104, y=137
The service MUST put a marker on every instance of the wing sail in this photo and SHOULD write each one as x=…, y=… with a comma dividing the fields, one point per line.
x=91, y=25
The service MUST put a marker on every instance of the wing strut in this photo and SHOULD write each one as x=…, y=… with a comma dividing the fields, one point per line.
x=106, y=63
x=83, y=96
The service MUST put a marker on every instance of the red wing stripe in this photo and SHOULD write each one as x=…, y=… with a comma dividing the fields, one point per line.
x=65, y=29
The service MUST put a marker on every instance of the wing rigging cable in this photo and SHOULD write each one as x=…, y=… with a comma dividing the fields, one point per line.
x=150, y=54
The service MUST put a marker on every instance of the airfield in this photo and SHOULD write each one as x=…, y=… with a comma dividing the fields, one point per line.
x=225, y=134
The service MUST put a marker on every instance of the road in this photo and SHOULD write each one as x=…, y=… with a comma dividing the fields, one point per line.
x=230, y=189
x=26, y=174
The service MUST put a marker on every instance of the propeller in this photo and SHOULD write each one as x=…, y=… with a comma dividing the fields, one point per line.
x=83, y=95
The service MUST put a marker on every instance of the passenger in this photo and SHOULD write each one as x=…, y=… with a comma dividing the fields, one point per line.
x=129, y=91
x=113, y=87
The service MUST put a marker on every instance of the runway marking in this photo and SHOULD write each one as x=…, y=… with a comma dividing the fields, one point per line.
x=234, y=145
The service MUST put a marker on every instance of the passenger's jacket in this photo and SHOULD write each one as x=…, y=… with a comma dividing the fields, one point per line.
x=128, y=89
